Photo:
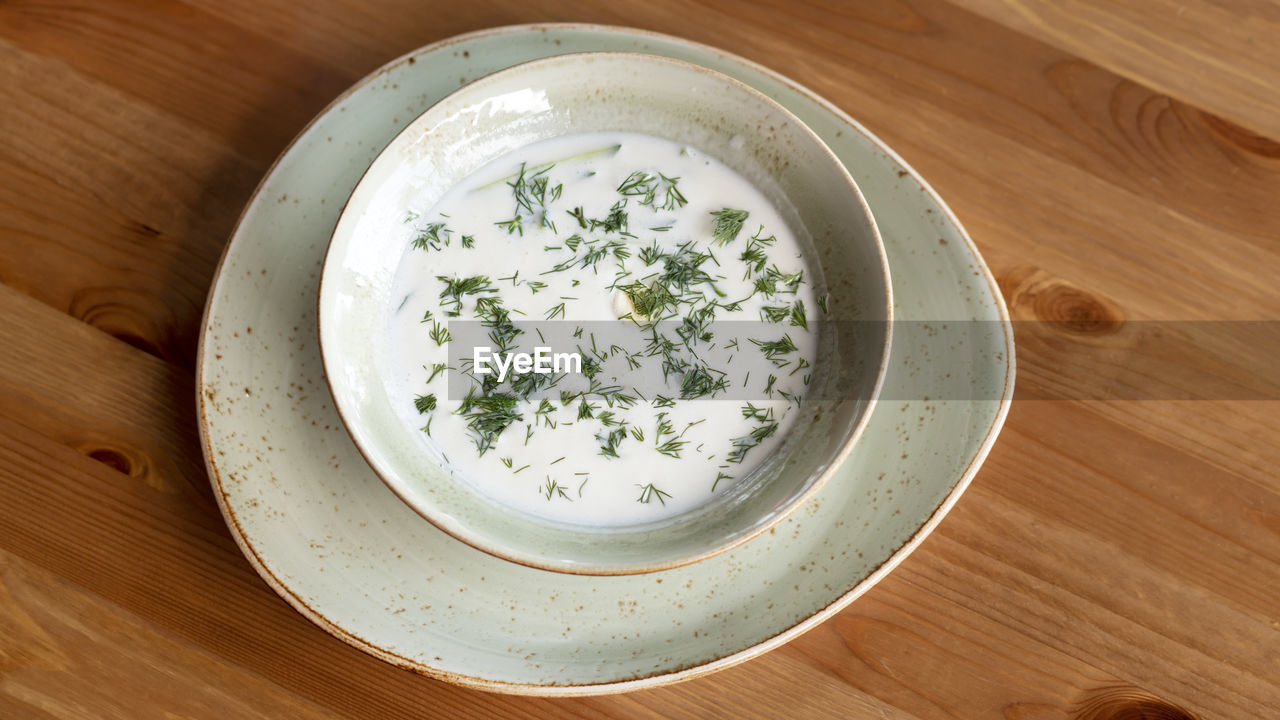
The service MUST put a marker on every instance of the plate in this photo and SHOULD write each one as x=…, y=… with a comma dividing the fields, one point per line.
x=332, y=540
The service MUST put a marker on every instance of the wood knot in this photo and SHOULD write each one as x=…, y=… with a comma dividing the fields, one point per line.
x=1076, y=311
x=1246, y=140
x=1033, y=294
x=122, y=458
x=1129, y=703
x=122, y=313
x=113, y=459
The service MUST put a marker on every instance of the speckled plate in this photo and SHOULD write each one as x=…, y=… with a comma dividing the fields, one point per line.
x=328, y=536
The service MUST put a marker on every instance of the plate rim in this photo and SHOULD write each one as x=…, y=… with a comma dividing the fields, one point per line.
x=659, y=678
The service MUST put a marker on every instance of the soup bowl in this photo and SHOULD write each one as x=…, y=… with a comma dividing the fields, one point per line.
x=614, y=92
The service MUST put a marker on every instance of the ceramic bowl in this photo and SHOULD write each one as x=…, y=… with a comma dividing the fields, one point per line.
x=590, y=92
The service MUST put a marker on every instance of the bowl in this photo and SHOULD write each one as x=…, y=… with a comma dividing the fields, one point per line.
x=595, y=92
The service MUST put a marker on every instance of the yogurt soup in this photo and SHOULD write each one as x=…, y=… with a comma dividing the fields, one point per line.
x=674, y=307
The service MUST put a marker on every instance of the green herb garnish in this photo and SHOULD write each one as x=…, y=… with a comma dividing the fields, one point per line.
x=743, y=445
x=797, y=315
x=554, y=489
x=487, y=416
x=455, y=289
x=440, y=334
x=432, y=237
x=436, y=369
x=775, y=349
x=609, y=444
x=651, y=492
x=728, y=224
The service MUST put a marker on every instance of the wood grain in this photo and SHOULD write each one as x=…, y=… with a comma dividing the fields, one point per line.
x=1222, y=57
x=114, y=212
x=1112, y=160
x=69, y=653
x=150, y=443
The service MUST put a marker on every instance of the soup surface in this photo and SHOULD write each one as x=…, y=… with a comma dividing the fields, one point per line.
x=602, y=329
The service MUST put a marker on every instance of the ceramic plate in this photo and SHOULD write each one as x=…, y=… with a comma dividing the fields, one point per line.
x=336, y=543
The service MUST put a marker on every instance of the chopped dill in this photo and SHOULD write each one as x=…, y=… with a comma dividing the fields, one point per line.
x=728, y=224
x=651, y=492
x=672, y=448
x=455, y=289
x=609, y=444
x=440, y=334
x=513, y=226
x=432, y=237
x=646, y=186
x=775, y=314
x=775, y=349
x=744, y=444
x=554, y=489
x=487, y=416
x=797, y=315
x=436, y=369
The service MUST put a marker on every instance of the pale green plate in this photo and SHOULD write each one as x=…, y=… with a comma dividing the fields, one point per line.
x=337, y=544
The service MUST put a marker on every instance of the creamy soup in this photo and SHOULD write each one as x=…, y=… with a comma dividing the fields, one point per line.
x=676, y=286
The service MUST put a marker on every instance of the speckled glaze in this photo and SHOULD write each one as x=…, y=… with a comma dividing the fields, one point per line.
x=594, y=92
x=336, y=543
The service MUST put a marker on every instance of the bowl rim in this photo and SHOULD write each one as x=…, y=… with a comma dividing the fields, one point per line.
x=479, y=540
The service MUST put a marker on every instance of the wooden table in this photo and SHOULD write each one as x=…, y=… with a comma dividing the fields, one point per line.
x=1111, y=159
